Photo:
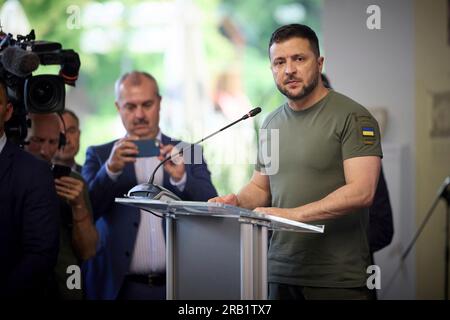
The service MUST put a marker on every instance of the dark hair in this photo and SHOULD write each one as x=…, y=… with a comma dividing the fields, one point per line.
x=70, y=112
x=295, y=30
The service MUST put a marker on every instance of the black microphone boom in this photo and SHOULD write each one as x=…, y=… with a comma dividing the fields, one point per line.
x=252, y=113
x=149, y=190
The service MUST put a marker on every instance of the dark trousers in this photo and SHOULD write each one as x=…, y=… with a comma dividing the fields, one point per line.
x=137, y=288
x=281, y=291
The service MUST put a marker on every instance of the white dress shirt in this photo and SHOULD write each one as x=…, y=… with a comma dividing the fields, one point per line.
x=2, y=142
x=149, y=254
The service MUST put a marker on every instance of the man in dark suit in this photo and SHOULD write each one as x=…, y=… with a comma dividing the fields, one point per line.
x=381, y=224
x=130, y=261
x=29, y=217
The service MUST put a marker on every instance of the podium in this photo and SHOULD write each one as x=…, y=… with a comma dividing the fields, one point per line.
x=216, y=251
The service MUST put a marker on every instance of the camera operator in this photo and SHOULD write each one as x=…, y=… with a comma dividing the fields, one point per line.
x=78, y=234
x=29, y=221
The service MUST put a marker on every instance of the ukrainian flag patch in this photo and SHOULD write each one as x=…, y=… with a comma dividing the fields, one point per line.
x=368, y=132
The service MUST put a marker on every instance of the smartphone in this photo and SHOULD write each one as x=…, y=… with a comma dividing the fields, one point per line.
x=60, y=171
x=147, y=148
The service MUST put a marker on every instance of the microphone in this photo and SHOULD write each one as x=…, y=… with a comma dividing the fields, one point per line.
x=251, y=113
x=156, y=192
x=19, y=62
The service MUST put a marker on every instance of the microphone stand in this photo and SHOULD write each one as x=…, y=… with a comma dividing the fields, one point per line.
x=156, y=192
x=446, y=196
x=443, y=193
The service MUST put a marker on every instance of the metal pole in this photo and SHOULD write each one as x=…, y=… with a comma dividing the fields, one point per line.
x=447, y=232
x=247, y=257
x=170, y=281
x=262, y=292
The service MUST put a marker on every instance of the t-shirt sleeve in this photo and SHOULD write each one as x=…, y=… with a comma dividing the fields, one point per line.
x=360, y=136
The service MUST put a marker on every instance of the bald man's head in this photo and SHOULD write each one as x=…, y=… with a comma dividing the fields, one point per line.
x=43, y=137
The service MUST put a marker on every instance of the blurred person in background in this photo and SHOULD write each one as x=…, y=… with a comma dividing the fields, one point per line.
x=130, y=263
x=71, y=129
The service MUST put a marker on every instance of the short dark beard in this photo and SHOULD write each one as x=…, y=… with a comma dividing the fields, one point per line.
x=302, y=94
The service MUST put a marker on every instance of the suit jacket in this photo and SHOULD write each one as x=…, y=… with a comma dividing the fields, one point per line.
x=381, y=224
x=29, y=223
x=118, y=224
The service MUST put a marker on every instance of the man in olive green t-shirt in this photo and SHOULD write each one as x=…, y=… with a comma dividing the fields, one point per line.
x=327, y=169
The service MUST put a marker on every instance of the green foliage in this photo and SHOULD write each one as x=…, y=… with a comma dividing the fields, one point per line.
x=98, y=129
x=48, y=19
x=256, y=18
x=255, y=21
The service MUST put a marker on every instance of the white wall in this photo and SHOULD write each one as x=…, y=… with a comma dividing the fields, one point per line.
x=432, y=152
x=376, y=68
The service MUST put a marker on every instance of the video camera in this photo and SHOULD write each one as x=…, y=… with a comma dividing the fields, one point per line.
x=36, y=94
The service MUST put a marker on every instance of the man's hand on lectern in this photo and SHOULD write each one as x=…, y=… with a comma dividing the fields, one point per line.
x=231, y=199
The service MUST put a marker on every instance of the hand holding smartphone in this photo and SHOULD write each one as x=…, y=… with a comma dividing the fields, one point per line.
x=147, y=148
x=60, y=171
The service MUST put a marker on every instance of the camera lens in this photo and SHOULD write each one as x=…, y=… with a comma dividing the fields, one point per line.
x=44, y=94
